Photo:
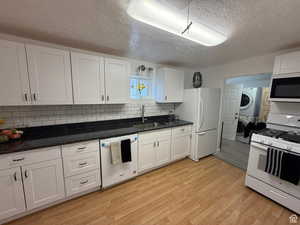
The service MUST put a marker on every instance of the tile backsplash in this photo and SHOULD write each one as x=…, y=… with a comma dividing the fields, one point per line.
x=30, y=116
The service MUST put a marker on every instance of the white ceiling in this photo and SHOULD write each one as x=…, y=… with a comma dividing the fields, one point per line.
x=254, y=27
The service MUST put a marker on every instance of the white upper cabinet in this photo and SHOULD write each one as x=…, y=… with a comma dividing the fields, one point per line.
x=49, y=75
x=287, y=63
x=169, y=85
x=14, y=84
x=116, y=81
x=88, y=78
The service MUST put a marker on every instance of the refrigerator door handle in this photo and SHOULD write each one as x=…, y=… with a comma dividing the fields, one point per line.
x=202, y=113
x=201, y=133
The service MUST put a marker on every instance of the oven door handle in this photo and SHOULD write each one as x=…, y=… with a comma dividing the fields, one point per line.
x=260, y=146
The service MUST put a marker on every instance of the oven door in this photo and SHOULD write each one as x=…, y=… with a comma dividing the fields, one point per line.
x=285, y=88
x=256, y=166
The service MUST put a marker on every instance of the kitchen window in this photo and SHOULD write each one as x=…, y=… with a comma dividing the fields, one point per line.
x=141, y=87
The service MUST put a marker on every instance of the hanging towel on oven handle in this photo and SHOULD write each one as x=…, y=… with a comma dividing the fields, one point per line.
x=273, y=163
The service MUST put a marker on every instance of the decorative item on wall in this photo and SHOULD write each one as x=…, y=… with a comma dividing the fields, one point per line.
x=141, y=69
x=197, y=80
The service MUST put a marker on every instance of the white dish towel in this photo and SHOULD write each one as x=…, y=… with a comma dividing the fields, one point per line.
x=115, y=150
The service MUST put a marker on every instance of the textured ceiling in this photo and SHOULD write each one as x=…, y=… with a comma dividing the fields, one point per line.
x=254, y=27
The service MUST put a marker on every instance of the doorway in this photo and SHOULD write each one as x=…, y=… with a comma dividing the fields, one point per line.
x=245, y=110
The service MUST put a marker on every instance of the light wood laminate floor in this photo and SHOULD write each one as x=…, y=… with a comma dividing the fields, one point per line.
x=209, y=192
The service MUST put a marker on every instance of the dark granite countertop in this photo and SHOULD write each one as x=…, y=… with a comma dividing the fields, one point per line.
x=47, y=136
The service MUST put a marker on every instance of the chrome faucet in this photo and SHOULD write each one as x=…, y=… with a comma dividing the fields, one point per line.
x=143, y=113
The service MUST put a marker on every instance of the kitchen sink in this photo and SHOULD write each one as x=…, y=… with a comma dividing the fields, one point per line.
x=147, y=125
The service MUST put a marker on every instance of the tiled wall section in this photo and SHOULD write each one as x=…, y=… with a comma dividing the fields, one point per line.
x=29, y=116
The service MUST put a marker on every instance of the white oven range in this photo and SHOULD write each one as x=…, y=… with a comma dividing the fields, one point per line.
x=285, y=138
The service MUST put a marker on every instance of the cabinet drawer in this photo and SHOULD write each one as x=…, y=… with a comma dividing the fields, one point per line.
x=83, y=182
x=29, y=157
x=184, y=130
x=82, y=163
x=80, y=148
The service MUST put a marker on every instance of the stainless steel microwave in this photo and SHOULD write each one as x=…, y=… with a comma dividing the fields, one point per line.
x=285, y=88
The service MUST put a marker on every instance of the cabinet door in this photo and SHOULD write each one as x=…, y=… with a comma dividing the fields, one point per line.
x=43, y=183
x=116, y=81
x=174, y=85
x=11, y=195
x=146, y=155
x=163, y=151
x=180, y=146
x=88, y=78
x=14, y=84
x=49, y=75
x=287, y=63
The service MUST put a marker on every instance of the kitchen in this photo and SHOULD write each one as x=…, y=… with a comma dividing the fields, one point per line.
x=109, y=117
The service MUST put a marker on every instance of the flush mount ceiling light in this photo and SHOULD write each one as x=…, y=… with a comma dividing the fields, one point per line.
x=156, y=14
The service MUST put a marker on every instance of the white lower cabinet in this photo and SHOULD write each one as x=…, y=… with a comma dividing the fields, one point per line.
x=163, y=150
x=82, y=182
x=154, y=149
x=11, y=193
x=81, y=166
x=43, y=183
x=181, y=142
x=147, y=155
x=30, y=180
x=157, y=148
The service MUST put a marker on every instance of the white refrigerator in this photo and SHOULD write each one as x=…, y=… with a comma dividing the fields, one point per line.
x=201, y=106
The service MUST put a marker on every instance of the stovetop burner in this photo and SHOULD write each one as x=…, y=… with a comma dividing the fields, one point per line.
x=283, y=135
x=271, y=132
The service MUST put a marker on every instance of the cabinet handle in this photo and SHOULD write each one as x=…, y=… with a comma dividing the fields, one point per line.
x=107, y=98
x=166, y=97
x=80, y=149
x=154, y=144
x=26, y=97
x=158, y=144
x=26, y=174
x=84, y=182
x=83, y=164
x=34, y=96
x=15, y=176
x=102, y=98
x=18, y=160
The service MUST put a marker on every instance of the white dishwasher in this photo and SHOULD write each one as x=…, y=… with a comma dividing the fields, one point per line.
x=114, y=174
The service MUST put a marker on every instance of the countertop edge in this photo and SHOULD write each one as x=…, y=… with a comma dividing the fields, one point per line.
x=88, y=137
